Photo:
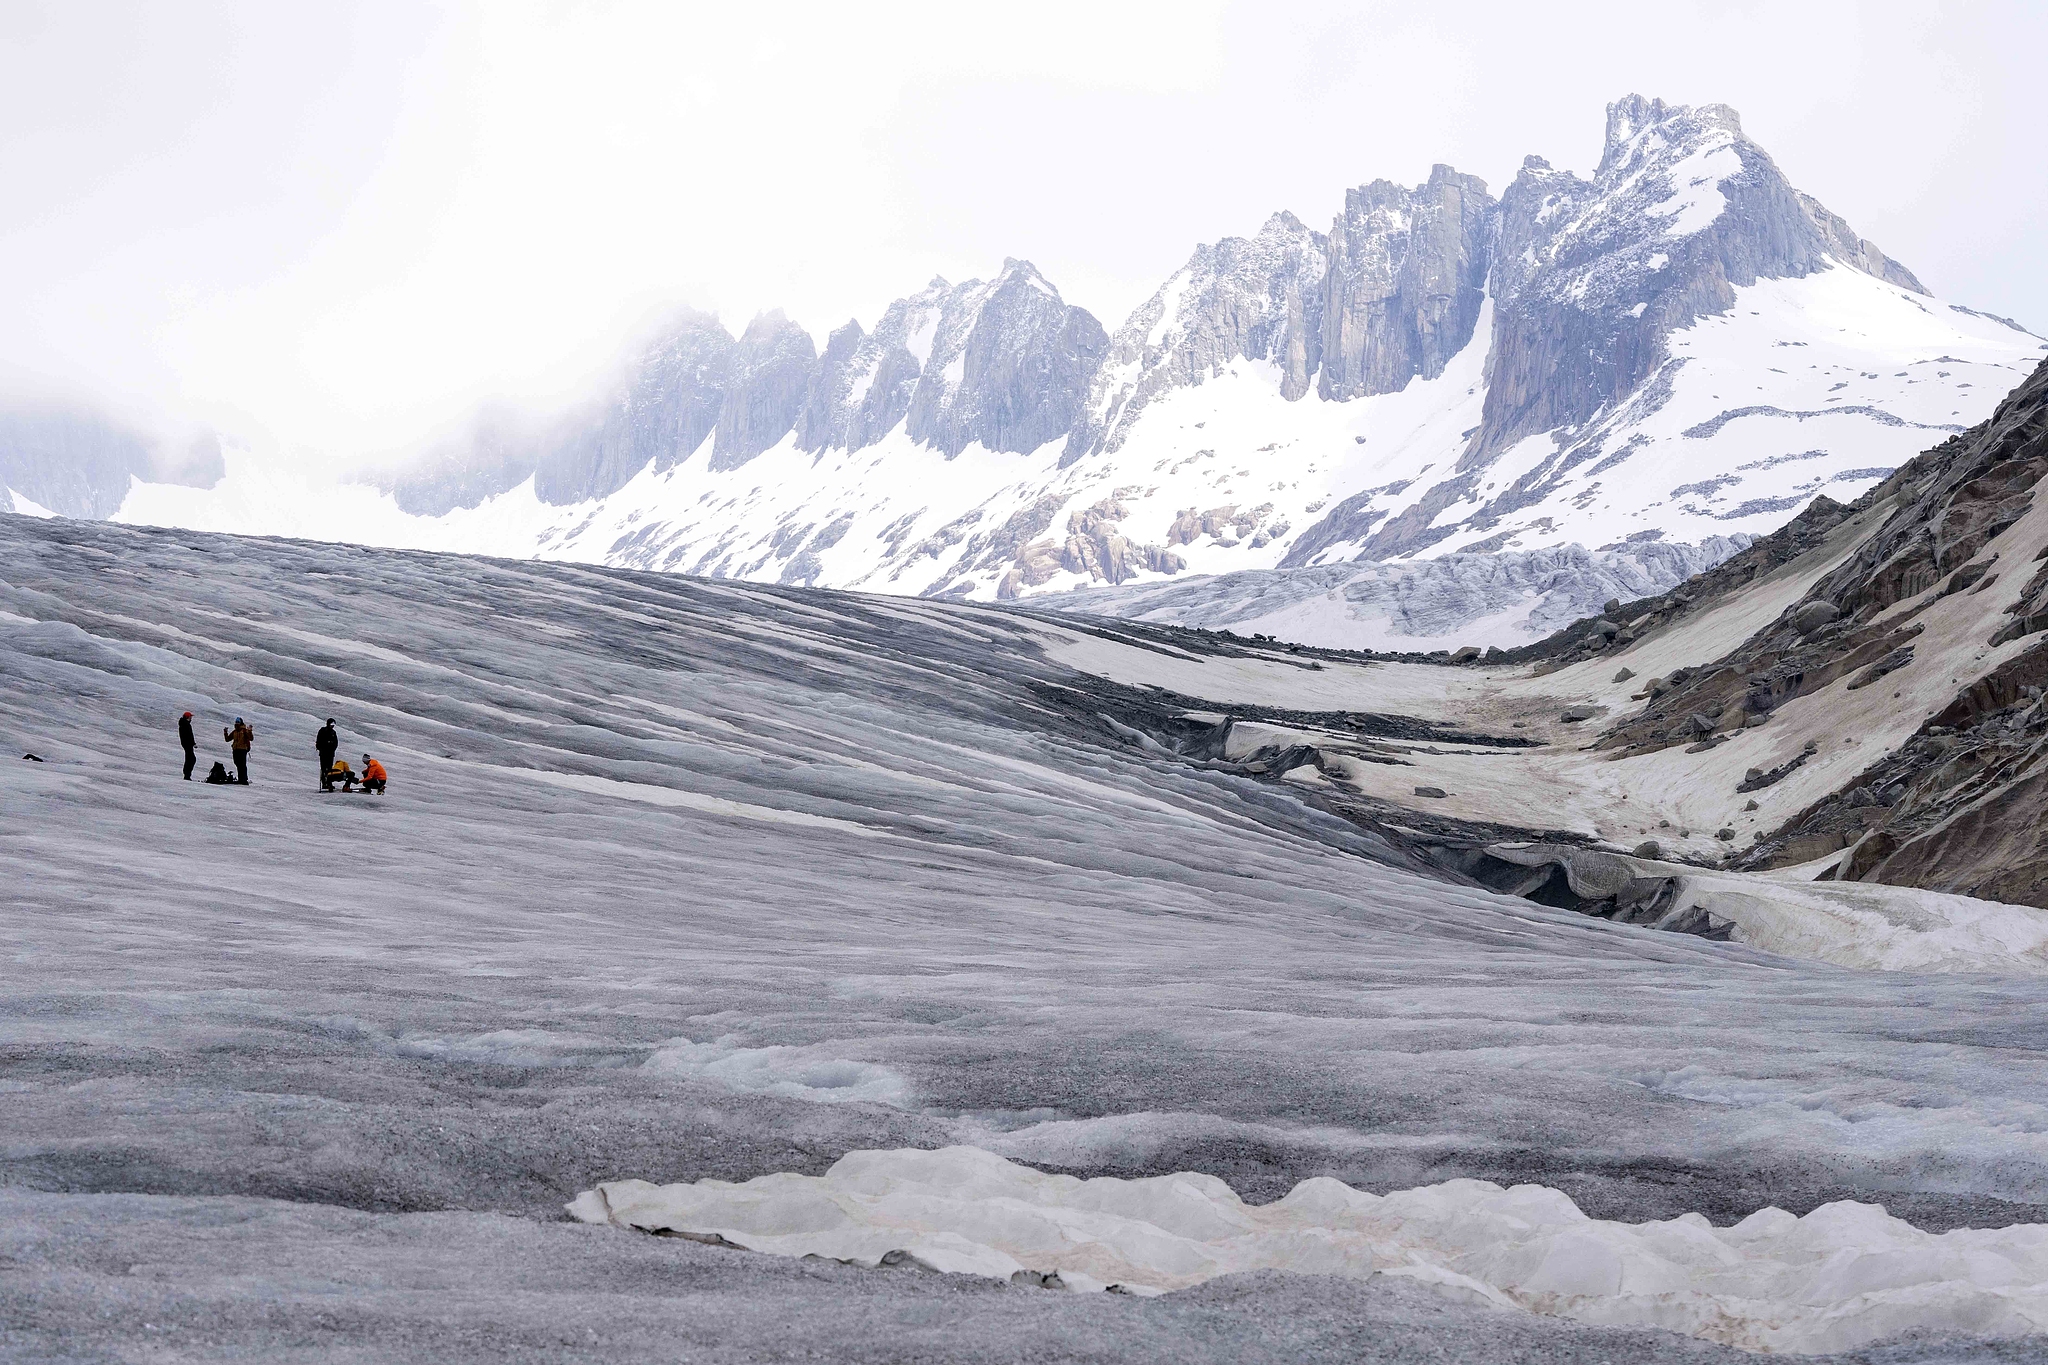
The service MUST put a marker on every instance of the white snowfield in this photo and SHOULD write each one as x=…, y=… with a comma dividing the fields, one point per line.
x=1843, y=1276
x=682, y=880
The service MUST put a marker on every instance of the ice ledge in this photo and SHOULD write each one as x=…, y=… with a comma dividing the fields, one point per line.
x=1843, y=1276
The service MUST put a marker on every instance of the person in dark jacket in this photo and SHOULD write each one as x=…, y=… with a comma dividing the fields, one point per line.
x=239, y=739
x=219, y=776
x=326, y=743
x=191, y=745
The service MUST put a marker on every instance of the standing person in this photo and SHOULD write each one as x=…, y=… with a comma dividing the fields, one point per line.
x=239, y=739
x=326, y=742
x=191, y=745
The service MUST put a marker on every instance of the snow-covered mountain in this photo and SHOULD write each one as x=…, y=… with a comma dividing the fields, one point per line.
x=1683, y=348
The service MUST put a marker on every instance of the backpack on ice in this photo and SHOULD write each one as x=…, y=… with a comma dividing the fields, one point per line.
x=219, y=773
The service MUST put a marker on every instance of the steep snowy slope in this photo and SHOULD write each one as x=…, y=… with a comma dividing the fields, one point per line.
x=1681, y=348
x=683, y=880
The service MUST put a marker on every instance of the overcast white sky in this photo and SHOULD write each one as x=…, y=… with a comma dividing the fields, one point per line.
x=331, y=228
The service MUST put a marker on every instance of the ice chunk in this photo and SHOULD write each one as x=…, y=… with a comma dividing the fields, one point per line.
x=1844, y=1275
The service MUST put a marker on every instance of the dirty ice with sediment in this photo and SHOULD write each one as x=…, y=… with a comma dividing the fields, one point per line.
x=889, y=937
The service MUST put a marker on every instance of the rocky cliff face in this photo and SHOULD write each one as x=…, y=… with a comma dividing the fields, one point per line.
x=669, y=400
x=866, y=380
x=1406, y=279
x=1009, y=366
x=1004, y=364
x=78, y=463
x=1595, y=274
x=767, y=380
x=1389, y=294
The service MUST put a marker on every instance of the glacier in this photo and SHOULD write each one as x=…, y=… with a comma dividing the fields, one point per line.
x=685, y=880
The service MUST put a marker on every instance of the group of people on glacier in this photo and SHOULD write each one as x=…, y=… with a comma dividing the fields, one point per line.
x=241, y=738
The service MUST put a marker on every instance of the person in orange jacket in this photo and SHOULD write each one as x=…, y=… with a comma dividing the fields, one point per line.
x=374, y=775
x=240, y=739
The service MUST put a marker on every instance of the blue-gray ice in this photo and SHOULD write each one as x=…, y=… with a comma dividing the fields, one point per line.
x=681, y=880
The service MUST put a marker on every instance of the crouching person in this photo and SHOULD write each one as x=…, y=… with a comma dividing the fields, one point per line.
x=374, y=775
x=340, y=774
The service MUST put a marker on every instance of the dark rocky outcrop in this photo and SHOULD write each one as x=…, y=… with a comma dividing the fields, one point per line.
x=1963, y=805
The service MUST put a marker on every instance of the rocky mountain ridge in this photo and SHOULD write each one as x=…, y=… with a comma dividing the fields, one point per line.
x=1681, y=347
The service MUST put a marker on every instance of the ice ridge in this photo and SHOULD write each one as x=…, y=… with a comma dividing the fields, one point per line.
x=1843, y=1276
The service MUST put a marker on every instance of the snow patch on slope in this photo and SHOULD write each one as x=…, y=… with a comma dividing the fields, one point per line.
x=20, y=505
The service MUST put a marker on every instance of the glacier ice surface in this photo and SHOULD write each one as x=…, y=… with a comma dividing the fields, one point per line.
x=353, y=1030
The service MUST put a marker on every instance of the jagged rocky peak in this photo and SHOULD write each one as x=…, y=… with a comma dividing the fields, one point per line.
x=1257, y=298
x=1594, y=275
x=820, y=423
x=865, y=380
x=1005, y=363
x=1390, y=294
x=770, y=376
x=1406, y=281
x=1008, y=368
x=676, y=396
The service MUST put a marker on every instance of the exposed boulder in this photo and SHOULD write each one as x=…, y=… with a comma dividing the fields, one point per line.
x=1810, y=616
